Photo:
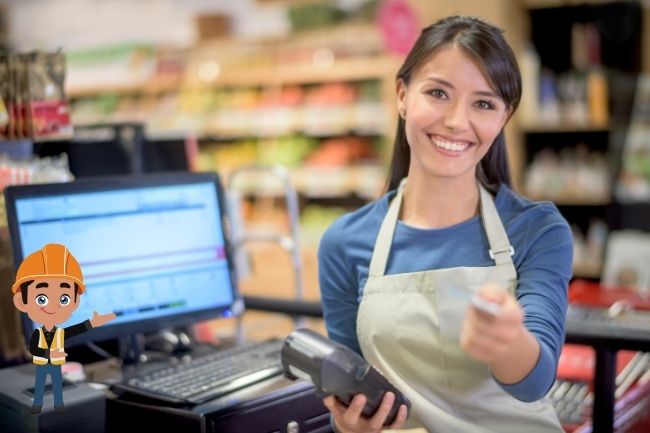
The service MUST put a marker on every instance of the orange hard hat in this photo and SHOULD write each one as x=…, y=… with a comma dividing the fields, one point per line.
x=53, y=260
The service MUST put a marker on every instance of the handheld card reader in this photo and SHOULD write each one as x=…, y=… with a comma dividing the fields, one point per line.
x=337, y=370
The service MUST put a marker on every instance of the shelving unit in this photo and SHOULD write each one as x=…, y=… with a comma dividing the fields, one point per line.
x=246, y=104
x=583, y=157
x=542, y=128
x=351, y=69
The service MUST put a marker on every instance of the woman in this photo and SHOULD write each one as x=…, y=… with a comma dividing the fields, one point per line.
x=400, y=277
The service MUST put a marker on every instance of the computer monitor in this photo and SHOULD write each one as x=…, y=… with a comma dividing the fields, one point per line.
x=154, y=249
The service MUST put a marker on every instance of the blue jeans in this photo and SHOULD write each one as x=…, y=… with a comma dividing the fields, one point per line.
x=57, y=384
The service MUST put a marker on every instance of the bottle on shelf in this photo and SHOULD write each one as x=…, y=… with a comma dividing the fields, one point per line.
x=597, y=90
x=530, y=75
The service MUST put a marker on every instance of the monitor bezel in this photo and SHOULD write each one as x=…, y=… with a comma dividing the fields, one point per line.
x=115, y=183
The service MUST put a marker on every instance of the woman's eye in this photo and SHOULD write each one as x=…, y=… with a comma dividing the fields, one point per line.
x=64, y=300
x=485, y=105
x=41, y=300
x=438, y=93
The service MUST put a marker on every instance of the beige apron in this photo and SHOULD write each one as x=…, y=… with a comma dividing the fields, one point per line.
x=409, y=325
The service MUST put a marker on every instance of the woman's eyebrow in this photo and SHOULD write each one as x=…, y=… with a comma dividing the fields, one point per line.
x=486, y=93
x=440, y=81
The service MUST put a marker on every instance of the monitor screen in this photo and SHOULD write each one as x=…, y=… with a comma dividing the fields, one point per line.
x=153, y=249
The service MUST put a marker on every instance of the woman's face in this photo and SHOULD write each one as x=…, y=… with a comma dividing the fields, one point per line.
x=452, y=115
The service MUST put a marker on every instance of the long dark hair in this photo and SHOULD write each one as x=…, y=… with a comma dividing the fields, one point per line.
x=485, y=44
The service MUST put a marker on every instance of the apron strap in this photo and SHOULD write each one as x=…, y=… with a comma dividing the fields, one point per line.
x=500, y=249
x=385, y=237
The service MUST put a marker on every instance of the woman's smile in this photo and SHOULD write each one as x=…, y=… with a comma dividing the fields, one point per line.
x=449, y=147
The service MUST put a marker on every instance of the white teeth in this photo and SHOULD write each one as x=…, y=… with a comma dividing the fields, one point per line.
x=449, y=145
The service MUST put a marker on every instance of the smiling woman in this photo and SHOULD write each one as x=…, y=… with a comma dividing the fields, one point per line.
x=450, y=106
x=487, y=72
x=451, y=284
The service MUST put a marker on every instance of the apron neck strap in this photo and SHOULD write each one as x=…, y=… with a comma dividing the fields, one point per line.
x=385, y=236
x=500, y=248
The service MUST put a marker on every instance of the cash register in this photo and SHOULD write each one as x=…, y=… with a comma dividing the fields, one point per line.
x=155, y=249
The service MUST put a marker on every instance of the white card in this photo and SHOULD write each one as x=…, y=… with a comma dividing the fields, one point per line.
x=486, y=306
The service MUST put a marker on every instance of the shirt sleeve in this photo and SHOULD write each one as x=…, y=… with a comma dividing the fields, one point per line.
x=544, y=277
x=33, y=346
x=339, y=291
x=79, y=328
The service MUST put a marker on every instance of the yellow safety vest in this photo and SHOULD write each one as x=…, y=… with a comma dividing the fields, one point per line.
x=57, y=344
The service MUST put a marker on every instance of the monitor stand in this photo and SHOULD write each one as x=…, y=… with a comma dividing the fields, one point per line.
x=139, y=348
x=170, y=341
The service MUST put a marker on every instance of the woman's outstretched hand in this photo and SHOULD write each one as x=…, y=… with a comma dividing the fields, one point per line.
x=501, y=340
x=485, y=336
x=349, y=419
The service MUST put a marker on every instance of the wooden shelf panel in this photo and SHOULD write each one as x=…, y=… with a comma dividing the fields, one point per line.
x=357, y=69
x=352, y=69
x=572, y=200
x=363, y=181
x=563, y=128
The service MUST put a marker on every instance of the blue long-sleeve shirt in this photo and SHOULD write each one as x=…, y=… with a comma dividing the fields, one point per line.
x=543, y=248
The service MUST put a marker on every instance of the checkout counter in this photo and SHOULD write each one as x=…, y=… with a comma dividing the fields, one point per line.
x=273, y=405
x=610, y=320
x=278, y=405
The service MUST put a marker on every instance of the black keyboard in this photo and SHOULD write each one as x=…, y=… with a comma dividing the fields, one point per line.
x=629, y=319
x=598, y=322
x=209, y=376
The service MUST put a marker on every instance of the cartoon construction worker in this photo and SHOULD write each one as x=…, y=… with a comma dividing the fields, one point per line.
x=48, y=287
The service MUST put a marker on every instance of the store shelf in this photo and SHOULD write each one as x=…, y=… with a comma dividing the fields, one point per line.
x=149, y=87
x=364, y=181
x=350, y=69
x=572, y=200
x=218, y=137
x=356, y=69
x=563, y=128
x=268, y=101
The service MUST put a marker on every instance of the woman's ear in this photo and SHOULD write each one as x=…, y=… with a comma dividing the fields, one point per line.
x=400, y=89
x=509, y=112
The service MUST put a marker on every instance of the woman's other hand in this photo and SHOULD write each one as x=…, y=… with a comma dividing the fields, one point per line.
x=349, y=419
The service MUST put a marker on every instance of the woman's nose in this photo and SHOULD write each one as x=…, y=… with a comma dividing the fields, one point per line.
x=456, y=117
